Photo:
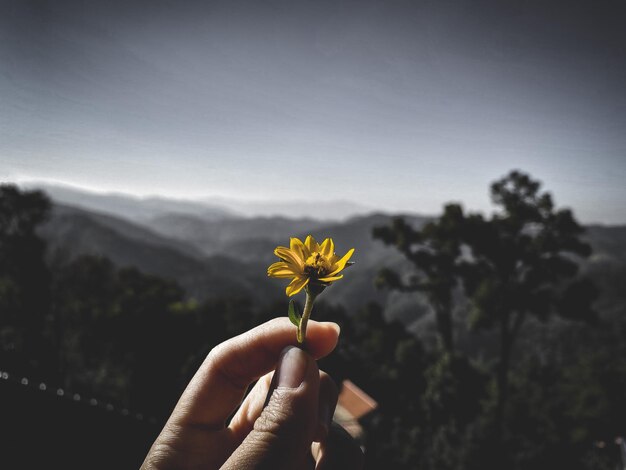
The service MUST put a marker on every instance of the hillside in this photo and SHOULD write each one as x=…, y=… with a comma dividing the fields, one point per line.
x=212, y=257
x=253, y=240
x=229, y=236
x=71, y=232
x=238, y=258
x=210, y=208
x=130, y=207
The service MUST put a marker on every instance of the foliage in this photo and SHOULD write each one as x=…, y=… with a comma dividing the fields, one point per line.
x=24, y=276
x=518, y=264
x=135, y=339
x=435, y=252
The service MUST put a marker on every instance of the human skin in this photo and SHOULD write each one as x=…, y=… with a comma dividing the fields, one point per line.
x=283, y=423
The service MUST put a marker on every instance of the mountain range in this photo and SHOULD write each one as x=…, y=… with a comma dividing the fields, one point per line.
x=211, y=208
x=212, y=251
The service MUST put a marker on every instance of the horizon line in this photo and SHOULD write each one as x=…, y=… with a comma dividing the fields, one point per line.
x=364, y=209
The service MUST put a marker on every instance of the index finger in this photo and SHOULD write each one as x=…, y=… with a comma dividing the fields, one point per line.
x=221, y=382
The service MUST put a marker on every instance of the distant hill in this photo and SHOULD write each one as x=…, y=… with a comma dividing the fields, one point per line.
x=214, y=208
x=253, y=240
x=130, y=207
x=609, y=243
x=370, y=256
x=71, y=232
x=233, y=235
x=295, y=209
x=234, y=264
x=212, y=256
x=131, y=230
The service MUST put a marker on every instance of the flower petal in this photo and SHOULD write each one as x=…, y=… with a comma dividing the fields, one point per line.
x=330, y=279
x=311, y=245
x=296, y=285
x=277, y=265
x=327, y=248
x=289, y=256
x=281, y=270
x=297, y=247
x=341, y=263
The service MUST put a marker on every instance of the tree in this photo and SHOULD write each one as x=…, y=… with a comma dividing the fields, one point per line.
x=435, y=252
x=24, y=277
x=524, y=263
x=121, y=333
x=520, y=263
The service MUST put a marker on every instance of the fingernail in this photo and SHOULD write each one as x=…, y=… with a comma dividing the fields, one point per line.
x=292, y=367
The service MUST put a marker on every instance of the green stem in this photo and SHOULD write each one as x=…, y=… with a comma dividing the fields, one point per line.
x=308, y=307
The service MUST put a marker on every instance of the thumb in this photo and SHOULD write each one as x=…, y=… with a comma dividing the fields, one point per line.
x=282, y=434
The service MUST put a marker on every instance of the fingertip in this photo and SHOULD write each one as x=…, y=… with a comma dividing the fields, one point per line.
x=322, y=338
x=281, y=435
x=327, y=328
x=332, y=325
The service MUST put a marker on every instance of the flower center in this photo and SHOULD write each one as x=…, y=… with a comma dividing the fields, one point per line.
x=317, y=265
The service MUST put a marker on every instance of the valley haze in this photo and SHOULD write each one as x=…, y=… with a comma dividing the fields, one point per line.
x=211, y=207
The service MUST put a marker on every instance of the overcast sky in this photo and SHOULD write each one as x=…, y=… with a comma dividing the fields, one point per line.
x=400, y=105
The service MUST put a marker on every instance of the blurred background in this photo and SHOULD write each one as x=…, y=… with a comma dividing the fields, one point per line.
x=154, y=153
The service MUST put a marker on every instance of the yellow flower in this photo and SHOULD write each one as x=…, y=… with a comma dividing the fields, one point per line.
x=308, y=263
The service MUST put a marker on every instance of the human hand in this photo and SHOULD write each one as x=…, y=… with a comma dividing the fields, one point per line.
x=283, y=423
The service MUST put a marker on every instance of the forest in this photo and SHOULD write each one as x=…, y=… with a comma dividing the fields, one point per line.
x=508, y=354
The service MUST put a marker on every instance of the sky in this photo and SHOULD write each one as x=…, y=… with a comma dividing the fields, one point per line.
x=398, y=105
